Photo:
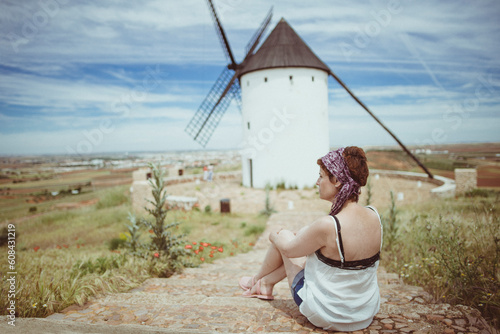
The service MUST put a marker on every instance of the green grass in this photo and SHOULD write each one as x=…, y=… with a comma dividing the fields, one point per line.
x=443, y=162
x=451, y=248
x=63, y=257
x=62, y=180
x=18, y=207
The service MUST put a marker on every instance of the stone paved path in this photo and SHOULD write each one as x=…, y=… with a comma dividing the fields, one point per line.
x=208, y=300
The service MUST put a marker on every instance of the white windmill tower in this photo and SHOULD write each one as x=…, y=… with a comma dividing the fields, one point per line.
x=284, y=94
x=283, y=88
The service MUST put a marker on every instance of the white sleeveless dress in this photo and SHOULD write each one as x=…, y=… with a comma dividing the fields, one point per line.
x=340, y=295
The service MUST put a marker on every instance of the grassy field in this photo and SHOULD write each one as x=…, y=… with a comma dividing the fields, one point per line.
x=450, y=247
x=64, y=257
x=32, y=196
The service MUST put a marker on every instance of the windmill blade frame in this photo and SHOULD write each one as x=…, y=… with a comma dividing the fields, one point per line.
x=254, y=41
x=205, y=121
x=382, y=124
x=222, y=35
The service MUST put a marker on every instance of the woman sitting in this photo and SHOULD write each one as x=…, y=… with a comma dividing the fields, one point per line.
x=331, y=265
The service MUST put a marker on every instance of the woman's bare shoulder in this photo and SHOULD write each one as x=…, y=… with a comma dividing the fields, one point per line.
x=325, y=221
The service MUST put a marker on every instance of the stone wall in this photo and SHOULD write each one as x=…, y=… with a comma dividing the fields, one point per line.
x=141, y=189
x=465, y=179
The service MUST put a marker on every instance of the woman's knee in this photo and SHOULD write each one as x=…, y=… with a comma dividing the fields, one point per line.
x=287, y=234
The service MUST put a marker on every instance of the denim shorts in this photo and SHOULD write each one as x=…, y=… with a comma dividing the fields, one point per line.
x=297, y=284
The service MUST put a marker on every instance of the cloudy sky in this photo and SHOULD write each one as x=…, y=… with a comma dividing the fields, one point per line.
x=101, y=76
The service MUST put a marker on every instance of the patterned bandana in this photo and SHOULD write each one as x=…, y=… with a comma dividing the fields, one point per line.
x=335, y=163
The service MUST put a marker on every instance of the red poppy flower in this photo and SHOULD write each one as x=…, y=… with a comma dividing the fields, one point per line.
x=36, y=248
x=65, y=246
x=221, y=249
x=58, y=247
x=194, y=242
x=202, y=259
x=201, y=248
x=213, y=247
x=150, y=231
x=157, y=255
x=188, y=247
x=205, y=244
x=196, y=252
x=211, y=255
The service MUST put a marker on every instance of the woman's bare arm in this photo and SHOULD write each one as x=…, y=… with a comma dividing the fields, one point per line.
x=306, y=241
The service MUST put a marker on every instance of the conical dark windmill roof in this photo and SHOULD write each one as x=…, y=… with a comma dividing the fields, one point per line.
x=283, y=48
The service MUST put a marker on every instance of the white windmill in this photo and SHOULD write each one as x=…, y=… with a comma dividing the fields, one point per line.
x=283, y=89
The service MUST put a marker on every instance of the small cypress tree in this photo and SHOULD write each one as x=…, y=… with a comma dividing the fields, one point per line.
x=134, y=233
x=268, y=209
x=369, y=192
x=391, y=225
x=165, y=246
x=165, y=250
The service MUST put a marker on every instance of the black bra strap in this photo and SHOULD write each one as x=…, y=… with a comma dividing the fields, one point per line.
x=341, y=244
x=349, y=265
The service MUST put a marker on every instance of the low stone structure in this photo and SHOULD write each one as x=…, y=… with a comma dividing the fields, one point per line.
x=465, y=179
x=141, y=189
x=182, y=202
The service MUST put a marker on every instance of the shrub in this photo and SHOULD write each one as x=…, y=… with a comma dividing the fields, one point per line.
x=99, y=265
x=368, y=192
x=453, y=254
x=268, y=208
x=391, y=226
x=280, y=186
x=116, y=243
x=478, y=192
x=112, y=198
x=132, y=238
x=254, y=229
x=4, y=236
x=165, y=249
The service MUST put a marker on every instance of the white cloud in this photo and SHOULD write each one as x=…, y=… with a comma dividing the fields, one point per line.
x=85, y=57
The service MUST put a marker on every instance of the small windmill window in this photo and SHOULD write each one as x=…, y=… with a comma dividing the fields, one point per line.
x=312, y=78
x=291, y=77
x=248, y=125
x=248, y=83
x=265, y=79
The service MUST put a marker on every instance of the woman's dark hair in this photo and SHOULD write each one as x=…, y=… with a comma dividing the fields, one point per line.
x=358, y=168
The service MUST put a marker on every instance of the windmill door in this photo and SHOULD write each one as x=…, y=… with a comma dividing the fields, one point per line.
x=250, y=164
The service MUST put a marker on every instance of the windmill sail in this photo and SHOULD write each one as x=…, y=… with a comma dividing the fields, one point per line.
x=249, y=49
x=209, y=114
x=383, y=126
x=222, y=35
x=226, y=87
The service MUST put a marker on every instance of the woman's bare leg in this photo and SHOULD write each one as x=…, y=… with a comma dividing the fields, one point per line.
x=289, y=268
x=272, y=261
